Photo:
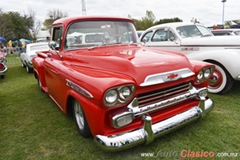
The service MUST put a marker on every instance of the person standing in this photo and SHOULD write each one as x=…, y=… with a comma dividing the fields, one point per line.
x=23, y=46
x=10, y=46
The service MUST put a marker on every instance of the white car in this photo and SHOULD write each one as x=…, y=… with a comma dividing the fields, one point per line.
x=30, y=52
x=198, y=43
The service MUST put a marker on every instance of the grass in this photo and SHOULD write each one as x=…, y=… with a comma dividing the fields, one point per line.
x=32, y=127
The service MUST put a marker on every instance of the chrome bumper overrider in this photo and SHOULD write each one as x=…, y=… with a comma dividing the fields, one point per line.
x=149, y=131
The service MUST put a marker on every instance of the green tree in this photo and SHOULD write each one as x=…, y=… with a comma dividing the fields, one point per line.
x=14, y=26
x=167, y=20
x=52, y=16
x=147, y=21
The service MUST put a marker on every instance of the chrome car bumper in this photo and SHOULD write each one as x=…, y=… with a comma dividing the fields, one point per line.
x=149, y=131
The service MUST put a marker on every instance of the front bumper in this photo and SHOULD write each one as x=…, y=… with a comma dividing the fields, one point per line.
x=149, y=131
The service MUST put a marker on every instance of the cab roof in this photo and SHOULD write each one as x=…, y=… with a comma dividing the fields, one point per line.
x=68, y=20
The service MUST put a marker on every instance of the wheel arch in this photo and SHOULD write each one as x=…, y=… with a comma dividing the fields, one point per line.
x=219, y=64
x=90, y=110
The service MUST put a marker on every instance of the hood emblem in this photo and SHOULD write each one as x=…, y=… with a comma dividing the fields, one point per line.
x=172, y=76
x=163, y=77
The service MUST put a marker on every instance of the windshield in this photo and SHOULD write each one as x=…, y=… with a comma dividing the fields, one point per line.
x=193, y=31
x=94, y=33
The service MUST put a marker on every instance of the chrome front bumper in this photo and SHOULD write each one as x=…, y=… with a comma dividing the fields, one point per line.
x=149, y=131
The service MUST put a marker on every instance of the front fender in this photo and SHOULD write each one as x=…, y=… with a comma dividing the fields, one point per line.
x=38, y=69
x=91, y=111
x=229, y=58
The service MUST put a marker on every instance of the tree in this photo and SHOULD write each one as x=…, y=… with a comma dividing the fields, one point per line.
x=147, y=21
x=14, y=26
x=52, y=16
x=36, y=24
x=168, y=20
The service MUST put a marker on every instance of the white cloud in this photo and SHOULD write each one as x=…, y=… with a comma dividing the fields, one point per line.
x=208, y=12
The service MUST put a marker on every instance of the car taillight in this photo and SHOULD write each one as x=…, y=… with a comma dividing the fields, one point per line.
x=2, y=66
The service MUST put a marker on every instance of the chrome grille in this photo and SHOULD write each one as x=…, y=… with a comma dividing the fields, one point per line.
x=163, y=94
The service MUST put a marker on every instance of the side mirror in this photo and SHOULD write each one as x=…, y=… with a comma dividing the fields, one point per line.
x=144, y=41
x=53, y=45
x=171, y=38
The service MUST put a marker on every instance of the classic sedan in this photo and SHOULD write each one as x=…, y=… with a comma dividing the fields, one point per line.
x=226, y=32
x=30, y=52
x=198, y=43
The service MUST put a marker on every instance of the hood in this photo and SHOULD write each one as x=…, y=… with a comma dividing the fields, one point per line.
x=135, y=61
x=212, y=40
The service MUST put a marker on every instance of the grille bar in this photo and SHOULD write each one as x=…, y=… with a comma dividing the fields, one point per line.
x=159, y=95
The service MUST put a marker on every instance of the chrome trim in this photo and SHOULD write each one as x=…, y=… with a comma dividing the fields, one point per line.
x=238, y=78
x=79, y=89
x=116, y=117
x=138, y=111
x=148, y=132
x=167, y=77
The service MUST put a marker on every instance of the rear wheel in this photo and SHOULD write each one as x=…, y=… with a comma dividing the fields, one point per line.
x=221, y=81
x=39, y=84
x=29, y=70
x=23, y=65
x=80, y=120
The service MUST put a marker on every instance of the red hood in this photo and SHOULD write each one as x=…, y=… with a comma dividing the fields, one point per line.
x=135, y=61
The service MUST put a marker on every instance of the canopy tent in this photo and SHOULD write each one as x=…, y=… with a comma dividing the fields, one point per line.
x=2, y=39
x=25, y=40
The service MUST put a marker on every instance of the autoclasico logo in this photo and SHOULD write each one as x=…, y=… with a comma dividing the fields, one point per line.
x=189, y=154
x=186, y=154
x=197, y=154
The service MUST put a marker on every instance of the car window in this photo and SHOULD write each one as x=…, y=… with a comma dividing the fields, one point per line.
x=83, y=34
x=193, y=31
x=163, y=35
x=147, y=36
x=159, y=35
x=57, y=37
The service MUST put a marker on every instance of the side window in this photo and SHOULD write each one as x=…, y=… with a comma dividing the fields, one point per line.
x=171, y=35
x=160, y=35
x=57, y=37
x=147, y=36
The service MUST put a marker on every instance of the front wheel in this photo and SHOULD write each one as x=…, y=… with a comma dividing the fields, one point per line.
x=221, y=81
x=29, y=70
x=80, y=120
x=39, y=84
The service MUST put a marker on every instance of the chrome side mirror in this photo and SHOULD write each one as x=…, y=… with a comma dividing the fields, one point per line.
x=52, y=45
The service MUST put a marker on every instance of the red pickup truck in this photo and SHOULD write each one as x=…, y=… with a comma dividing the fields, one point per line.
x=121, y=93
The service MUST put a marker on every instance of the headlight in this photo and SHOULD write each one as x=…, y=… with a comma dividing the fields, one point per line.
x=124, y=93
x=200, y=75
x=204, y=74
x=111, y=96
x=207, y=73
x=118, y=95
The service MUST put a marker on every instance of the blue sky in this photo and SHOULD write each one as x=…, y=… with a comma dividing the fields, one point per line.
x=208, y=12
